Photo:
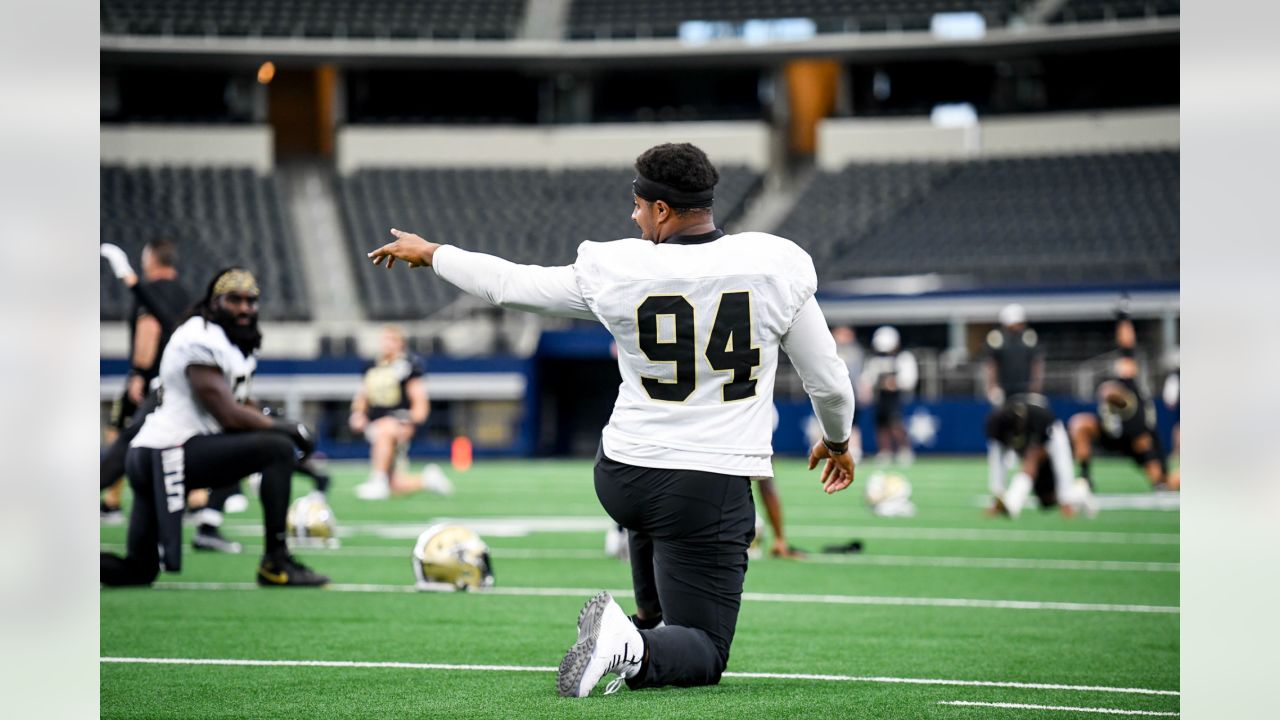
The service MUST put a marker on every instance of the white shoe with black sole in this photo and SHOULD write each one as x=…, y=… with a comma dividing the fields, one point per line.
x=607, y=643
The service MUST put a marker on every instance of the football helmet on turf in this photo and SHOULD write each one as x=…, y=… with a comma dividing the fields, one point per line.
x=889, y=495
x=310, y=522
x=451, y=555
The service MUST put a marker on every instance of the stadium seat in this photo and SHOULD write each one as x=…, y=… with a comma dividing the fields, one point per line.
x=606, y=19
x=1046, y=221
x=1098, y=10
x=218, y=216
x=526, y=216
x=428, y=19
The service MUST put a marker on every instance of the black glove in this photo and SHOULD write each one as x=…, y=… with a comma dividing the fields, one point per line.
x=299, y=433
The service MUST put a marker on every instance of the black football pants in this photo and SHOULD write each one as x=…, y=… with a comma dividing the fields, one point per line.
x=689, y=532
x=160, y=478
x=111, y=465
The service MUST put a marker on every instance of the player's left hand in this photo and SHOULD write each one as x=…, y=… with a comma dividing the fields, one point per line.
x=408, y=248
x=837, y=474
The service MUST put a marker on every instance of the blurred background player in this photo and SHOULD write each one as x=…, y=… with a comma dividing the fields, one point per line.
x=1025, y=425
x=853, y=355
x=887, y=376
x=204, y=436
x=388, y=408
x=1015, y=360
x=159, y=303
x=1126, y=417
x=1172, y=396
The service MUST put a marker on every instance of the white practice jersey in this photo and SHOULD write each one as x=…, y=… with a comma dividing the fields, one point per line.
x=180, y=416
x=698, y=327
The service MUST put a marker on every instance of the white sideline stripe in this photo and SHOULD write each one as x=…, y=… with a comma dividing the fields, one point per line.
x=881, y=560
x=1025, y=706
x=753, y=596
x=530, y=668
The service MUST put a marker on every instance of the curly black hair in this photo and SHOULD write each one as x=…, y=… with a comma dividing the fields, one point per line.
x=682, y=166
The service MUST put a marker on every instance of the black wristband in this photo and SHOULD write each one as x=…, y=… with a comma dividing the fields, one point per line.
x=836, y=448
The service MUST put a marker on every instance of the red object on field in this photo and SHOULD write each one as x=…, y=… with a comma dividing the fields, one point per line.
x=460, y=453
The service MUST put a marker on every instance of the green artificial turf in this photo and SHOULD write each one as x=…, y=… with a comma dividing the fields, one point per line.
x=949, y=550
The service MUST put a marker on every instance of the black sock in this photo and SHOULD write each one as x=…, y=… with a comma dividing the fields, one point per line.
x=205, y=529
x=1084, y=469
x=645, y=624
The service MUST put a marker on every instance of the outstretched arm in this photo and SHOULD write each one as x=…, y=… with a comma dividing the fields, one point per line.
x=532, y=288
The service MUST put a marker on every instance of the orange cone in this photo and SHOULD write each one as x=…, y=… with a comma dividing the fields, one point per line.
x=460, y=453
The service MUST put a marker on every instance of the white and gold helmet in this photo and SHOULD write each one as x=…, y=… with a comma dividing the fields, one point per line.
x=889, y=495
x=451, y=556
x=310, y=522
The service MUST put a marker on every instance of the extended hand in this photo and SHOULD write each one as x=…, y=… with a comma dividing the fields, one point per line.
x=119, y=263
x=408, y=248
x=837, y=474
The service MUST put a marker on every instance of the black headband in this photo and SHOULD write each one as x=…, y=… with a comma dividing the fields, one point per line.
x=653, y=191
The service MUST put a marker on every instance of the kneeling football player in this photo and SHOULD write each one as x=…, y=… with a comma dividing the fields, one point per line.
x=1126, y=418
x=1026, y=425
x=203, y=435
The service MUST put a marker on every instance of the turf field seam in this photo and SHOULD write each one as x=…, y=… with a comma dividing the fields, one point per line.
x=1062, y=708
x=749, y=596
x=549, y=668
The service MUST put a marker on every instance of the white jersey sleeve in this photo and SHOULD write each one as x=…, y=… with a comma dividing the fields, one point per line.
x=823, y=373
x=180, y=416
x=546, y=290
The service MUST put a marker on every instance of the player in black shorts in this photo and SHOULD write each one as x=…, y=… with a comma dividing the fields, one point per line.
x=1015, y=359
x=1025, y=425
x=388, y=409
x=202, y=435
x=890, y=375
x=1126, y=418
x=159, y=302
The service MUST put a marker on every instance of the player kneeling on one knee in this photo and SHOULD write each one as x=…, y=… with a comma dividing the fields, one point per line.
x=698, y=317
x=1026, y=426
x=204, y=435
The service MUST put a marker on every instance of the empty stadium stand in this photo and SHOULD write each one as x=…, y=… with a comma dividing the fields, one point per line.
x=524, y=215
x=425, y=19
x=602, y=19
x=218, y=216
x=1096, y=10
x=1037, y=221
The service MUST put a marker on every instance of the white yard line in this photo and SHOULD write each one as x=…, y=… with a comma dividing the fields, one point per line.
x=1092, y=537
x=820, y=559
x=235, y=662
x=522, y=526
x=749, y=596
x=1025, y=706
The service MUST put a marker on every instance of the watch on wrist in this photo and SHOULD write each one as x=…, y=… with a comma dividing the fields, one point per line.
x=836, y=448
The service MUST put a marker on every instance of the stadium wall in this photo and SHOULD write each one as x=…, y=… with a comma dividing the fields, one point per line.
x=612, y=144
x=133, y=145
x=845, y=140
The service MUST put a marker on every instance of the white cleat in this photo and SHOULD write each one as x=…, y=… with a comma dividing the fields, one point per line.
x=616, y=544
x=1087, y=503
x=237, y=503
x=373, y=490
x=608, y=642
x=434, y=480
